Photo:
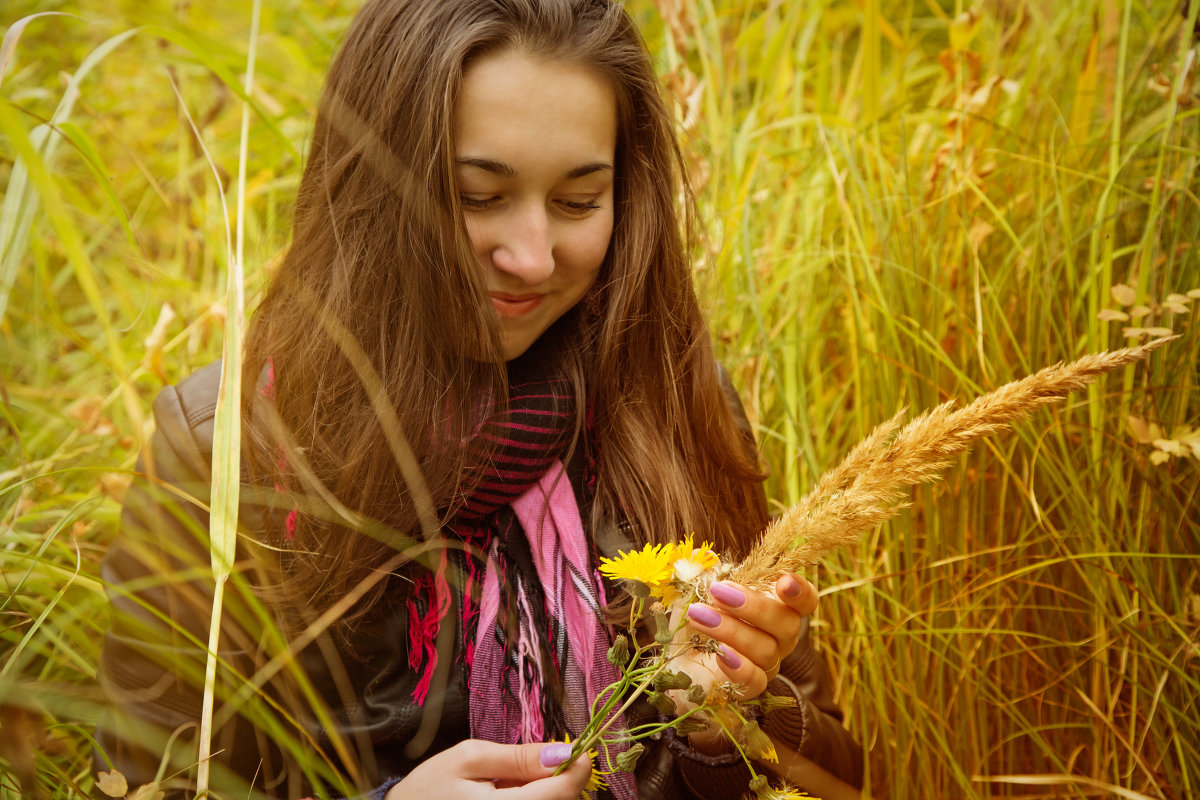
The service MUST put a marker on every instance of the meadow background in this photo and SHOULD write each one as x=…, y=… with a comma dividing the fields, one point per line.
x=906, y=201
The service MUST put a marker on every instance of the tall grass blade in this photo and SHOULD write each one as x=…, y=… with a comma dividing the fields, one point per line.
x=227, y=439
x=21, y=200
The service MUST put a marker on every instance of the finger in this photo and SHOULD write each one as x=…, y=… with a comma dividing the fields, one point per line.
x=767, y=612
x=510, y=764
x=798, y=593
x=567, y=785
x=742, y=672
x=748, y=640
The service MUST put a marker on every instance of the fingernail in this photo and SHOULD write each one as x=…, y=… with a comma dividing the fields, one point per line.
x=555, y=753
x=727, y=594
x=792, y=587
x=730, y=658
x=704, y=615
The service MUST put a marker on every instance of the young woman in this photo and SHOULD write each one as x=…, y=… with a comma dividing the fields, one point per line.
x=480, y=366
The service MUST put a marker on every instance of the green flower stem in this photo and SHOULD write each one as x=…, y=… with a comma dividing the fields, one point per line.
x=585, y=741
x=639, y=678
x=651, y=728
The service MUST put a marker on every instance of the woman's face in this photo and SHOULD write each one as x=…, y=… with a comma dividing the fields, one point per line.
x=535, y=164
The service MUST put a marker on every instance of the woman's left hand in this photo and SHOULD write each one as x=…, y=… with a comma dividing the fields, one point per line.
x=756, y=631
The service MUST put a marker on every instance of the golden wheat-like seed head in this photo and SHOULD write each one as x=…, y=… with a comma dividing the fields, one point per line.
x=872, y=483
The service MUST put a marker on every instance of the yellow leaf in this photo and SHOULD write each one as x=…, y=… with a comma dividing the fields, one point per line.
x=1137, y=312
x=978, y=233
x=1159, y=457
x=1133, y=333
x=1112, y=315
x=87, y=410
x=156, y=341
x=112, y=783
x=1159, y=331
x=1188, y=439
x=1181, y=299
x=1139, y=429
x=1125, y=295
x=149, y=791
x=114, y=484
x=1170, y=446
x=1194, y=294
x=963, y=29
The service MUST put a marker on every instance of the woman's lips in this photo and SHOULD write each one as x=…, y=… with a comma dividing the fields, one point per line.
x=515, y=305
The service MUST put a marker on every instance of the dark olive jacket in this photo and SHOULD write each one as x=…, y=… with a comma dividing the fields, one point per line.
x=161, y=590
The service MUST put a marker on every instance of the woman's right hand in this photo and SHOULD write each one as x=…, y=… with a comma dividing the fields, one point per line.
x=479, y=769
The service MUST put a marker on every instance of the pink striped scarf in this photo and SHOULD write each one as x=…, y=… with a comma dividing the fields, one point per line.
x=523, y=491
x=550, y=517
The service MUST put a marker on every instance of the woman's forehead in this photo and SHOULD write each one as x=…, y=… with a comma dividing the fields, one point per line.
x=523, y=111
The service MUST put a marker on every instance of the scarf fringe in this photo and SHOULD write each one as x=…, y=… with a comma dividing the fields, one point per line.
x=423, y=628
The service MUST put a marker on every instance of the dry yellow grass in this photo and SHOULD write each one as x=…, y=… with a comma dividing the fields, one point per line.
x=871, y=482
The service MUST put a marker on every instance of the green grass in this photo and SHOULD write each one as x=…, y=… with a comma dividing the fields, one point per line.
x=901, y=209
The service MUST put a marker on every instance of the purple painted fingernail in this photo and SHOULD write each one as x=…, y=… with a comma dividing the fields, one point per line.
x=727, y=594
x=554, y=754
x=730, y=658
x=703, y=615
x=792, y=587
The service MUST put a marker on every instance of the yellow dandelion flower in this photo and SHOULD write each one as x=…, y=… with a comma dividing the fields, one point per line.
x=596, y=780
x=595, y=783
x=763, y=790
x=667, y=593
x=651, y=565
x=784, y=792
x=689, y=561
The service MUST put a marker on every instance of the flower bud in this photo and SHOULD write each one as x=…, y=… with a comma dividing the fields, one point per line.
x=662, y=629
x=686, y=726
x=664, y=681
x=628, y=760
x=662, y=702
x=771, y=702
x=637, y=589
x=759, y=784
x=618, y=654
x=697, y=694
x=758, y=743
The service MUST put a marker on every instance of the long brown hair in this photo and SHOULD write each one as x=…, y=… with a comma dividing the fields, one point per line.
x=380, y=294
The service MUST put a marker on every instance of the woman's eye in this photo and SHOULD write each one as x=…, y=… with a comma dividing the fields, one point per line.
x=477, y=202
x=579, y=208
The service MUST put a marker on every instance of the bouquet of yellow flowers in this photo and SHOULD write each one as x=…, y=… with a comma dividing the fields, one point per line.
x=663, y=581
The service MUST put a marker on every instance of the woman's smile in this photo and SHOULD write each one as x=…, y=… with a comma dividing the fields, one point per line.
x=515, y=306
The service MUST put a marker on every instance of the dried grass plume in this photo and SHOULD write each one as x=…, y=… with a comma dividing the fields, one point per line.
x=873, y=480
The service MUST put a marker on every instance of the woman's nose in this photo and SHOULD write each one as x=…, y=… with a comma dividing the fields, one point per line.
x=525, y=248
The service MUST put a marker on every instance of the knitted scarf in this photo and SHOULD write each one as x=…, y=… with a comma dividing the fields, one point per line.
x=534, y=644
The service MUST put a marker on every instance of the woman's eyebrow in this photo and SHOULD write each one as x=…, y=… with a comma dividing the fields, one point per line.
x=588, y=169
x=504, y=170
x=488, y=165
